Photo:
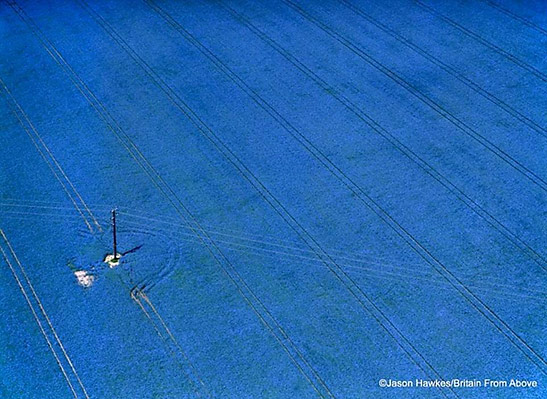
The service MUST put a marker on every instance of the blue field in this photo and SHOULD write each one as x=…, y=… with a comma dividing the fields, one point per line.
x=313, y=199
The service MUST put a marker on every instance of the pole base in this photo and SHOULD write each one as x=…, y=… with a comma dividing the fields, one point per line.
x=112, y=262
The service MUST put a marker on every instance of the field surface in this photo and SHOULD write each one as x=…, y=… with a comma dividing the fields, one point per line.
x=312, y=197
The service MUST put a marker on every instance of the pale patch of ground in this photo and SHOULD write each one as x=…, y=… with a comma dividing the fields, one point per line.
x=85, y=279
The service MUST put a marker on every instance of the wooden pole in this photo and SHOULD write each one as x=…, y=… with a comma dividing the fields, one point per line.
x=114, y=243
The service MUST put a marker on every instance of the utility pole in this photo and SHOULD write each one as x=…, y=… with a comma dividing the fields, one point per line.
x=114, y=243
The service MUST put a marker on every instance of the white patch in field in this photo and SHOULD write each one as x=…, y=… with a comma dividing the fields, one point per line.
x=84, y=278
